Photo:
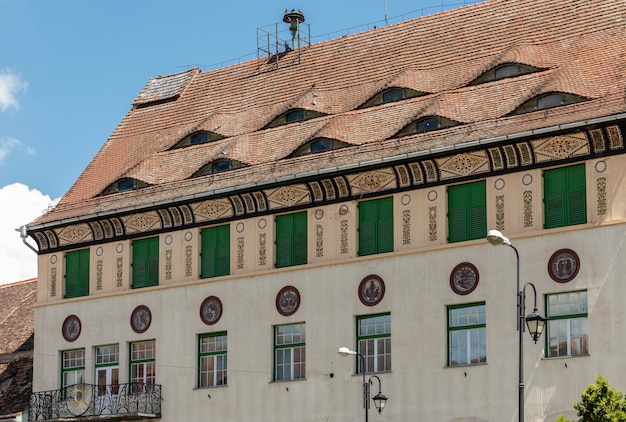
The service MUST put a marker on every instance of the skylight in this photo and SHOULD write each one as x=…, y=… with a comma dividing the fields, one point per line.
x=218, y=166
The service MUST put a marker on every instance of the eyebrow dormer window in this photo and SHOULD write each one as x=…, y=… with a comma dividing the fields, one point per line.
x=294, y=115
x=196, y=138
x=426, y=124
x=507, y=70
x=218, y=166
x=319, y=145
x=551, y=100
x=392, y=95
x=123, y=185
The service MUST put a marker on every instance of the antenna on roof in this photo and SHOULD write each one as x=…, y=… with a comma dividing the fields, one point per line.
x=294, y=19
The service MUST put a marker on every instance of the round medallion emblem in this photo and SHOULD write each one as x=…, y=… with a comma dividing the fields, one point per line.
x=140, y=319
x=371, y=290
x=288, y=300
x=464, y=278
x=211, y=310
x=563, y=265
x=71, y=328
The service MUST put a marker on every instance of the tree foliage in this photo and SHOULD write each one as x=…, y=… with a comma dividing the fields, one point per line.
x=600, y=403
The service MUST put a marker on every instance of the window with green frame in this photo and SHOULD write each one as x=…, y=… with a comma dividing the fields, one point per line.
x=142, y=366
x=72, y=367
x=374, y=342
x=375, y=226
x=212, y=359
x=145, y=262
x=215, y=251
x=568, y=326
x=564, y=191
x=291, y=239
x=77, y=273
x=467, y=334
x=289, y=352
x=467, y=211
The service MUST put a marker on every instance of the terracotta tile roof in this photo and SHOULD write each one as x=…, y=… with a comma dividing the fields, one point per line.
x=16, y=346
x=17, y=319
x=578, y=45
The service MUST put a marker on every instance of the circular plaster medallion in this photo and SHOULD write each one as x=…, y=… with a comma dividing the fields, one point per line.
x=563, y=265
x=188, y=236
x=319, y=214
x=287, y=300
x=499, y=184
x=140, y=319
x=371, y=290
x=601, y=166
x=99, y=251
x=211, y=310
x=527, y=179
x=343, y=210
x=464, y=278
x=240, y=227
x=432, y=195
x=119, y=248
x=168, y=239
x=53, y=259
x=71, y=328
x=406, y=199
x=262, y=223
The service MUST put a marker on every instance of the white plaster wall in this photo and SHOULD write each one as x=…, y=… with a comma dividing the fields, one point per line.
x=420, y=386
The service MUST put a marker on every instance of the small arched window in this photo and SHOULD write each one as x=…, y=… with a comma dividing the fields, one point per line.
x=550, y=100
x=503, y=71
x=123, y=185
x=392, y=95
x=426, y=124
x=294, y=115
x=319, y=145
x=196, y=138
x=218, y=166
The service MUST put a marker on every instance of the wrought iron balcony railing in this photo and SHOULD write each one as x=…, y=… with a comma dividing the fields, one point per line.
x=81, y=400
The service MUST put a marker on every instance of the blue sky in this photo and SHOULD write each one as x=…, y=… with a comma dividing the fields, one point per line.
x=70, y=69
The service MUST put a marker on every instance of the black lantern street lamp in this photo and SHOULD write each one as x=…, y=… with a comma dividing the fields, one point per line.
x=534, y=321
x=380, y=400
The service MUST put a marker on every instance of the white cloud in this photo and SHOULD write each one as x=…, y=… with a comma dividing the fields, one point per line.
x=10, y=85
x=21, y=205
x=7, y=145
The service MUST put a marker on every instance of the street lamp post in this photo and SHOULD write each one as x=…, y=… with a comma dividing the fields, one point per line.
x=534, y=321
x=379, y=399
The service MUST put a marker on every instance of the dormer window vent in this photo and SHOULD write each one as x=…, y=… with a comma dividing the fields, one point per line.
x=123, y=185
x=218, y=166
x=550, y=100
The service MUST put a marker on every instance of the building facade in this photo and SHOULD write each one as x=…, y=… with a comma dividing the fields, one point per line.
x=242, y=224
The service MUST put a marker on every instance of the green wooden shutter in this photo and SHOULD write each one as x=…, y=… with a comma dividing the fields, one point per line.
x=291, y=239
x=215, y=251
x=477, y=210
x=467, y=211
x=577, y=195
x=145, y=262
x=300, y=255
x=385, y=225
x=368, y=219
x=565, y=196
x=77, y=273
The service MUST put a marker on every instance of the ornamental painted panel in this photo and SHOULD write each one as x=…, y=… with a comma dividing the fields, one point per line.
x=615, y=137
x=140, y=223
x=461, y=165
x=563, y=265
x=240, y=253
x=71, y=328
x=464, y=278
x=75, y=234
x=343, y=237
x=602, y=201
x=99, y=267
x=188, y=261
x=372, y=181
x=406, y=227
x=432, y=224
x=288, y=196
x=560, y=147
x=168, y=264
x=53, y=281
x=260, y=201
x=319, y=241
x=213, y=210
x=140, y=319
x=287, y=300
x=262, y=249
x=211, y=310
x=528, y=208
x=500, y=212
